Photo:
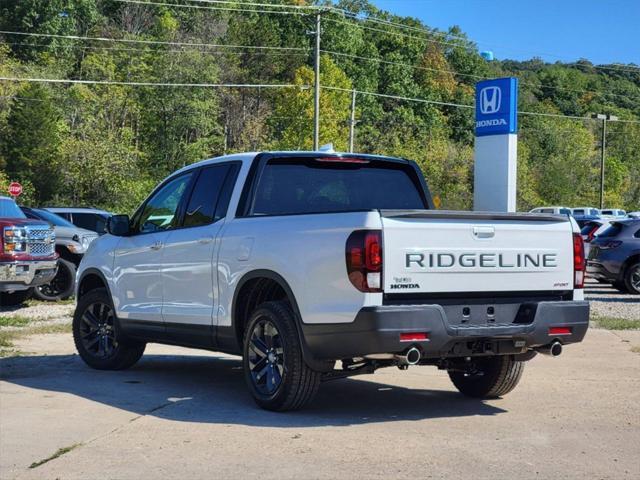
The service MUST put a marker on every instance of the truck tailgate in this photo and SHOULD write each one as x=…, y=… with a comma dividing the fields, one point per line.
x=431, y=252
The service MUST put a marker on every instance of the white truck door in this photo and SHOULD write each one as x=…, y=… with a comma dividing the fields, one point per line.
x=138, y=258
x=190, y=293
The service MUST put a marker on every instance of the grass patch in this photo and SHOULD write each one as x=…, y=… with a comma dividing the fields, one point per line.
x=614, y=323
x=43, y=329
x=7, y=337
x=59, y=453
x=32, y=302
x=635, y=349
x=6, y=343
x=14, y=321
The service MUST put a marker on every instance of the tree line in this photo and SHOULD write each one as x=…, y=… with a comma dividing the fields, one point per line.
x=107, y=145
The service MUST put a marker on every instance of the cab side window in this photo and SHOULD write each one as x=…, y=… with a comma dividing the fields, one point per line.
x=206, y=196
x=161, y=210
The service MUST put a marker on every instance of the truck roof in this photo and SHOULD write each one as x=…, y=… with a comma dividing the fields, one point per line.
x=249, y=156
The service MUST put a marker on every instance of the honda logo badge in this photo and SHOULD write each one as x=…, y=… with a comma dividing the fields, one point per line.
x=490, y=98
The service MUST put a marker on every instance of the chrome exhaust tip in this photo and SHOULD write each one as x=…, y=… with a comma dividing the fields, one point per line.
x=553, y=350
x=411, y=357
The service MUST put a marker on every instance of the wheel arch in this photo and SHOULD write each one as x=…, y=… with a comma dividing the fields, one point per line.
x=91, y=279
x=262, y=285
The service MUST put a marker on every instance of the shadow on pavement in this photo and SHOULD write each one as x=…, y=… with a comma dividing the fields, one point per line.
x=212, y=390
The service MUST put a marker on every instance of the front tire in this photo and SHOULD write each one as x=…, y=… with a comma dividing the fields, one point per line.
x=274, y=369
x=62, y=285
x=97, y=337
x=493, y=377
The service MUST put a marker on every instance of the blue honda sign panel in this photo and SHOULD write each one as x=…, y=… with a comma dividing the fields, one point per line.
x=497, y=107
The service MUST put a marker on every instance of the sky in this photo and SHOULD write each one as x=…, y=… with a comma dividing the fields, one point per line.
x=602, y=31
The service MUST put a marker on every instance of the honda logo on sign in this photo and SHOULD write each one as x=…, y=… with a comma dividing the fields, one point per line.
x=496, y=106
x=490, y=99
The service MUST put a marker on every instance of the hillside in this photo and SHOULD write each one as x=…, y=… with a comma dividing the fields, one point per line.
x=161, y=104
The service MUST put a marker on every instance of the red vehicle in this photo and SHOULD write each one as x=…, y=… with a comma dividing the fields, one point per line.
x=27, y=253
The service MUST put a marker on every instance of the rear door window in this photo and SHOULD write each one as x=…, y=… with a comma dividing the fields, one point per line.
x=303, y=186
x=612, y=230
x=203, y=207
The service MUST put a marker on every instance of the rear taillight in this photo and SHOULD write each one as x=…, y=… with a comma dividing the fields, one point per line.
x=364, y=260
x=578, y=261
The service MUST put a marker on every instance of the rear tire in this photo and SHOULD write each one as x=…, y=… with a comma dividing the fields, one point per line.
x=97, y=337
x=62, y=285
x=274, y=369
x=620, y=286
x=632, y=279
x=14, y=299
x=495, y=377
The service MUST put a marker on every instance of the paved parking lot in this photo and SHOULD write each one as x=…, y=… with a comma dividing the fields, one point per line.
x=186, y=414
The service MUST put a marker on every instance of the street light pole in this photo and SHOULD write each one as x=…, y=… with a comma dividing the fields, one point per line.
x=352, y=121
x=316, y=93
x=603, y=149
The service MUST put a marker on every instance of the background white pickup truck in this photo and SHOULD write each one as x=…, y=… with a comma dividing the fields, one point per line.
x=304, y=262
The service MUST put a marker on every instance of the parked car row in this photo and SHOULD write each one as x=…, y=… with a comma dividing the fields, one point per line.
x=611, y=242
x=583, y=215
x=40, y=250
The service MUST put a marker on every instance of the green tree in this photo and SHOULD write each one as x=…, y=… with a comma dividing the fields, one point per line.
x=33, y=138
x=293, y=112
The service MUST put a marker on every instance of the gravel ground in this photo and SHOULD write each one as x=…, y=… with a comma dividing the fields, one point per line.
x=40, y=313
x=606, y=301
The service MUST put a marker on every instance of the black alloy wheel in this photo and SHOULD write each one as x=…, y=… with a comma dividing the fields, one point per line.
x=97, y=330
x=274, y=368
x=97, y=336
x=266, y=357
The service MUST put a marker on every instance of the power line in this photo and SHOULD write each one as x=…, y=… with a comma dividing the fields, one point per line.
x=298, y=11
x=141, y=50
x=453, y=72
x=150, y=84
x=153, y=42
x=201, y=7
x=301, y=87
x=399, y=97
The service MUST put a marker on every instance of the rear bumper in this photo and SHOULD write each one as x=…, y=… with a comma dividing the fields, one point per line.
x=21, y=275
x=601, y=272
x=377, y=330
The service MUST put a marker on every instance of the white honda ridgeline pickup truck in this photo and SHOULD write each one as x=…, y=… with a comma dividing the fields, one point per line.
x=298, y=260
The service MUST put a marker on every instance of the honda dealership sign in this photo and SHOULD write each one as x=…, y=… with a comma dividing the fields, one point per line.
x=496, y=145
x=496, y=107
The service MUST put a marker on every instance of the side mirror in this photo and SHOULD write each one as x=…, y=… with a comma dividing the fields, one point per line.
x=118, y=225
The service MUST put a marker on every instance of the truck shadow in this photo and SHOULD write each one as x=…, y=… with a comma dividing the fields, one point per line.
x=211, y=390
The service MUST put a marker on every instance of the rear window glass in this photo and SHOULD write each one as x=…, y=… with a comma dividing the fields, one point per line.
x=586, y=230
x=308, y=186
x=90, y=221
x=611, y=231
x=565, y=211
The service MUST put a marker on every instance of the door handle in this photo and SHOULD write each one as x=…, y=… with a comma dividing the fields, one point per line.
x=156, y=246
x=205, y=240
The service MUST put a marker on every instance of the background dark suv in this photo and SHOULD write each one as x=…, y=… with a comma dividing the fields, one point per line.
x=615, y=256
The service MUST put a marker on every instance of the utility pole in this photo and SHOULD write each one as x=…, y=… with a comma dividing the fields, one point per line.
x=352, y=121
x=316, y=92
x=603, y=149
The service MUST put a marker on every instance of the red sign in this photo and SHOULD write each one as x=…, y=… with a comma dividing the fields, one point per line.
x=15, y=189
